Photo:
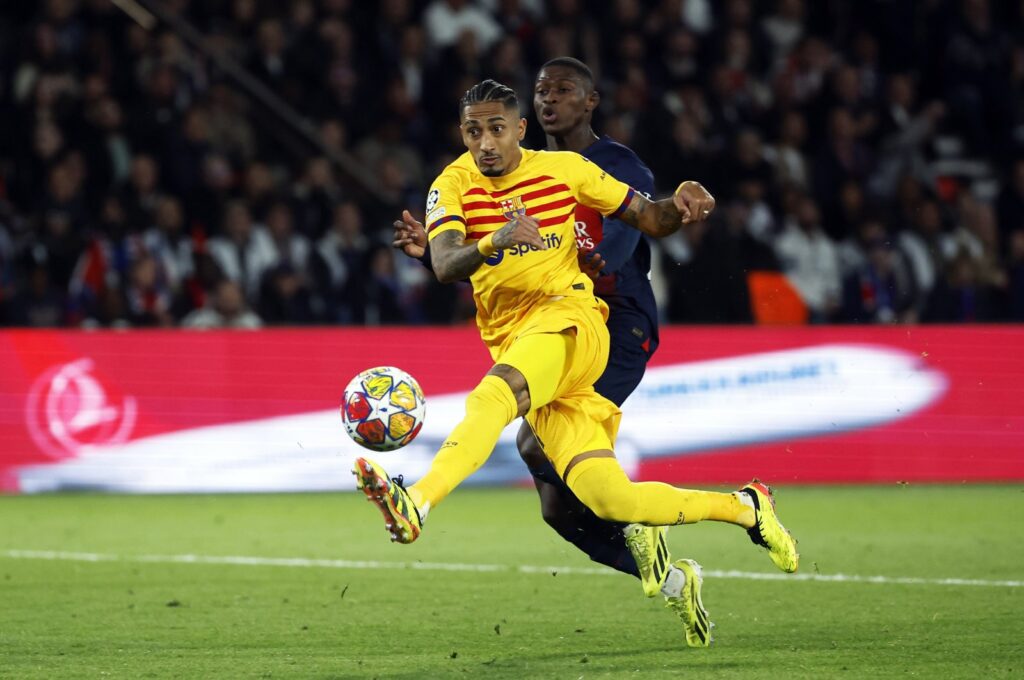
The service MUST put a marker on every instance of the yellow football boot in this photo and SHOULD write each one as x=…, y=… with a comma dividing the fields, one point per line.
x=768, y=531
x=651, y=554
x=689, y=607
x=401, y=517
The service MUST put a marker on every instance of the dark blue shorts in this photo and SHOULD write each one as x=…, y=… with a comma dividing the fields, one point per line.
x=632, y=344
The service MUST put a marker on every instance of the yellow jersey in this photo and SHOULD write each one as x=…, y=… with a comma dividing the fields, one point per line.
x=546, y=185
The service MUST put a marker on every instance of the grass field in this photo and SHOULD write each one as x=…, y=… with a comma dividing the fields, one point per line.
x=489, y=591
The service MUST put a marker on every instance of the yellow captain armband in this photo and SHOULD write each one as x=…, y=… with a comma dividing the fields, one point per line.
x=485, y=246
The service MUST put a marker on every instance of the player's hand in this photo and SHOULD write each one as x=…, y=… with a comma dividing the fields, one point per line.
x=591, y=263
x=410, y=236
x=521, y=229
x=693, y=202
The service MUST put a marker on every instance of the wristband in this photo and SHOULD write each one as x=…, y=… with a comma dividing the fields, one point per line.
x=485, y=246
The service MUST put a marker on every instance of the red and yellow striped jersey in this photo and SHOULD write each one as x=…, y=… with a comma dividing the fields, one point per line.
x=546, y=185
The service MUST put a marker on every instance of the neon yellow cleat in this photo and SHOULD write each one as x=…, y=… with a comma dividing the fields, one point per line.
x=401, y=517
x=689, y=607
x=768, y=531
x=651, y=554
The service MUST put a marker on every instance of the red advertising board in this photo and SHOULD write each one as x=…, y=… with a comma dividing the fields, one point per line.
x=173, y=411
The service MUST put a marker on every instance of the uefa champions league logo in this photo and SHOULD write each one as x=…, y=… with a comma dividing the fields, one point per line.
x=68, y=411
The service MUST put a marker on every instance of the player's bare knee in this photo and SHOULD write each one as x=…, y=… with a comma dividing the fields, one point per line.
x=551, y=508
x=529, y=448
x=516, y=382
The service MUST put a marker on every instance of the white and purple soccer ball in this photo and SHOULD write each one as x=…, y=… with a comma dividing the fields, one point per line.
x=383, y=408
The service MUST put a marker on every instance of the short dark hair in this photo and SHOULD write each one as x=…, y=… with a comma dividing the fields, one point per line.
x=489, y=91
x=573, y=64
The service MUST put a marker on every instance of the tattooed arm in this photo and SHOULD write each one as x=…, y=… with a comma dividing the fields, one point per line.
x=454, y=259
x=690, y=203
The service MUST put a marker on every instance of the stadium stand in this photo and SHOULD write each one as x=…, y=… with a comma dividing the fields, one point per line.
x=867, y=156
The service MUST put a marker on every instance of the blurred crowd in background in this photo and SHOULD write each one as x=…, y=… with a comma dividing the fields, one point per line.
x=870, y=152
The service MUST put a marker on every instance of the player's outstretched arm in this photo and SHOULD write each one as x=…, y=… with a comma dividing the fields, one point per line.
x=454, y=259
x=690, y=203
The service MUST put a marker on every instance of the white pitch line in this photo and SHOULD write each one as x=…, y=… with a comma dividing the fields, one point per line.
x=255, y=561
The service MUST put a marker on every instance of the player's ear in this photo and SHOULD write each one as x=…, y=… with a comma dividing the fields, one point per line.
x=522, y=129
x=593, y=99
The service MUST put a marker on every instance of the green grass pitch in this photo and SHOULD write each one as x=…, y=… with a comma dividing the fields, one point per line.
x=122, y=601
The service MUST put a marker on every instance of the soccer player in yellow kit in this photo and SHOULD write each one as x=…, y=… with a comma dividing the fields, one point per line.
x=503, y=216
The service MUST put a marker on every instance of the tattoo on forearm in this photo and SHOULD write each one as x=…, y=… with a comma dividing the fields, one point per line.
x=454, y=260
x=658, y=219
x=503, y=237
x=669, y=219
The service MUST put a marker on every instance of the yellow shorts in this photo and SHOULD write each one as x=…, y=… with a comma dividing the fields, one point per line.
x=576, y=419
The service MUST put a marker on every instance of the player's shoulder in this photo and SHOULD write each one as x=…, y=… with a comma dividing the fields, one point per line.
x=544, y=157
x=460, y=169
x=455, y=179
x=621, y=161
x=607, y=150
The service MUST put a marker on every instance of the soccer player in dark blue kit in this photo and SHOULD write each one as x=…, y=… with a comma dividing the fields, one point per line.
x=619, y=258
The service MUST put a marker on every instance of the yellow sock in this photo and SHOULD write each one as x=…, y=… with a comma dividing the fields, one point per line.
x=602, y=485
x=727, y=507
x=489, y=408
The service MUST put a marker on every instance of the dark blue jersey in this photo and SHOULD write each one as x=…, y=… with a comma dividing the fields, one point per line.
x=625, y=284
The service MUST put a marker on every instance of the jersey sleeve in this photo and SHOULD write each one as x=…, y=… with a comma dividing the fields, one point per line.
x=444, y=206
x=596, y=188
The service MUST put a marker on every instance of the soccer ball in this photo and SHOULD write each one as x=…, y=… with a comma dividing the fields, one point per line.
x=383, y=408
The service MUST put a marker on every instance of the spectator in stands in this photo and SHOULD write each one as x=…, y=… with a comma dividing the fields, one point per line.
x=142, y=192
x=787, y=156
x=268, y=61
x=810, y=261
x=314, y=196
x=903, y=130
x=880, y=288
x=448, y=21
x=959, y=295
x=844, y=158
x=748, y=163
x=107, y=151
x=784, y=28
x=245, y=251
x=285, y=297
x=186, y=152
x=149, y=299
x=850, y=213
x=259, y=188
x=338, y=266
x=40, y=304
x=167, y=241
x=383, y=303
x=926, y=248
x=226, y=309
x=289, y=248
x=977, y=62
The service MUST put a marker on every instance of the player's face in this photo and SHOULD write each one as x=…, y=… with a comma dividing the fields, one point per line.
x=562, y=100
x=492, y=134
